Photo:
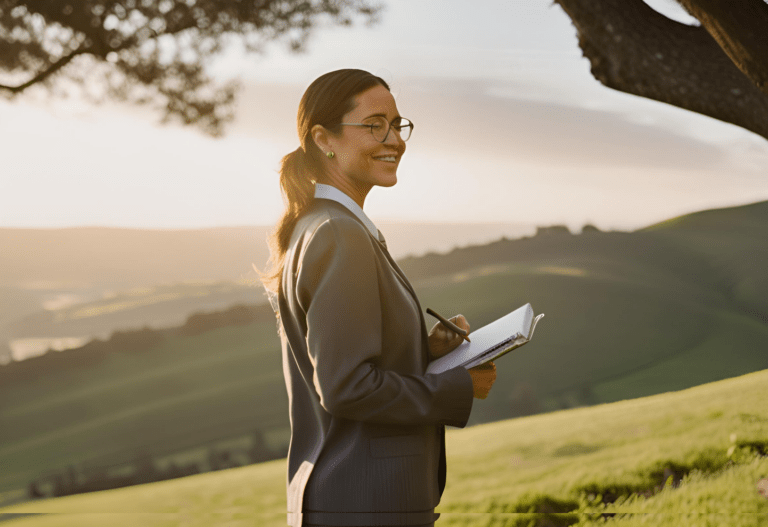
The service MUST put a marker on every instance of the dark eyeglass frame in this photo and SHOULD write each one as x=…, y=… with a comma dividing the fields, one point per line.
x=389, y=127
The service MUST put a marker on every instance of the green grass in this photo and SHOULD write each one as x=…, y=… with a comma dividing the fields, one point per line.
x=537, y=470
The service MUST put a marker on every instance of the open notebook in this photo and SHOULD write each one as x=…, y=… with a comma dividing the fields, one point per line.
x=490, y=342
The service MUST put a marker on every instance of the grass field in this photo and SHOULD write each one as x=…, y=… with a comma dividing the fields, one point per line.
x=693, y=457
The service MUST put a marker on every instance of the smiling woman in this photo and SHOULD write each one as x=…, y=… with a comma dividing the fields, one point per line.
x=358, y=159
x=367, y=421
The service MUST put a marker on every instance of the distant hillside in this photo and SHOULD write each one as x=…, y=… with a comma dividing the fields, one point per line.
x=746, y=219
x=735, y=241
x=627, y=315
x=89, y=281
x=117, y=258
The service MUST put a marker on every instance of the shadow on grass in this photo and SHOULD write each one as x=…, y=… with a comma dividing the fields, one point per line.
x=543, y=510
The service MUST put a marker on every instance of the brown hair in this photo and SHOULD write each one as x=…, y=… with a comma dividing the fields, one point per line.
x=325, y=102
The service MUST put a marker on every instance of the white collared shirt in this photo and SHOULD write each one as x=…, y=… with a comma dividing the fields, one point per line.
x=331, y=192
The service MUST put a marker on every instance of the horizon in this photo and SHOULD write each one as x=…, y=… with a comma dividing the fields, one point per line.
x=378, y=220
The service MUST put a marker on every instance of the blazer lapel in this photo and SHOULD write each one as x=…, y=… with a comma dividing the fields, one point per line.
x=383, y=244
x=424, y=337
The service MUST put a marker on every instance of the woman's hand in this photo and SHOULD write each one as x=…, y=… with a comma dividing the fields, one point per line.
x=442, y=340
x=483, y=377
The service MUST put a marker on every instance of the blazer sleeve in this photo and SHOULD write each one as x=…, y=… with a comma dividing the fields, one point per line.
x=337, y=287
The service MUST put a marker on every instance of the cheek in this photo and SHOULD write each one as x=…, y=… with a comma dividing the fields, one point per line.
x=359, y=157
x=363, y=156
x=357, y=161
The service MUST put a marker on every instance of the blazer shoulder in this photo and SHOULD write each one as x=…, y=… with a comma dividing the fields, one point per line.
x=328, y=228
x=327, y=218
x=332, y=244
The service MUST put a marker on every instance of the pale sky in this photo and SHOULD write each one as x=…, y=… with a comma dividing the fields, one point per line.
x=510, y=126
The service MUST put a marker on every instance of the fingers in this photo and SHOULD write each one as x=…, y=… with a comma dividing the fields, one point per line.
x=483, y=377
x=447, y=334
x=460, y=321
x=487, y=366
x=442, y=332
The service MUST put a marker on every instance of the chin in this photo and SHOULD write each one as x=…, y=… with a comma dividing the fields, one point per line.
x=389, y=182
x=390, y=178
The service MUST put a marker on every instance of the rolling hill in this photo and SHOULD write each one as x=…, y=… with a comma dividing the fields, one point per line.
x=734, y=241
x=627, y=315
x=81, y=282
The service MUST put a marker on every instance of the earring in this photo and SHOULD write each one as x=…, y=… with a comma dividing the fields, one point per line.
x=330, y=155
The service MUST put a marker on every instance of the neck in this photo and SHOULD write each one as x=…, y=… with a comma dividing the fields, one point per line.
x=356, y=191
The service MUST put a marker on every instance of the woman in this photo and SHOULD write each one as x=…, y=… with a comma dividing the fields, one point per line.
x=367, y=424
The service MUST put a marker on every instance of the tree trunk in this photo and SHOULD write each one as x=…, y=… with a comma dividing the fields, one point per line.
x=636, y=50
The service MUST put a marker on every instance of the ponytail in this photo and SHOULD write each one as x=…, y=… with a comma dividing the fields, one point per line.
x=298, y=189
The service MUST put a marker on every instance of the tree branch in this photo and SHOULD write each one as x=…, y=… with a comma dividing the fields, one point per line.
x=636, y=50
x=739, y=27
x=38, y=39
x=53, y=68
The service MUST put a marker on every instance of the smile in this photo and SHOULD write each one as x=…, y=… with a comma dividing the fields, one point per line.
x=389, y=159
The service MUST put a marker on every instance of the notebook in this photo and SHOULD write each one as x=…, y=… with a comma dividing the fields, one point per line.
x=491, y=341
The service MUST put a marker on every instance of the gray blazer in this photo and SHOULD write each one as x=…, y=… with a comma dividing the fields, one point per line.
x=367, y=424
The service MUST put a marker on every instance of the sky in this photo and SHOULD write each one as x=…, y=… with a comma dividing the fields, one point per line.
x=509, y=127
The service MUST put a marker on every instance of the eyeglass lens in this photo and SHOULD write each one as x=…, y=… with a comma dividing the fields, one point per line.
x=380, y=128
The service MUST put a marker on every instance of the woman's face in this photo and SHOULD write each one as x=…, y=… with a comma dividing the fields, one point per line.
x=358, y=156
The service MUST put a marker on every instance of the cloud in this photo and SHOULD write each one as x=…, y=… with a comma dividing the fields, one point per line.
x=466, y=115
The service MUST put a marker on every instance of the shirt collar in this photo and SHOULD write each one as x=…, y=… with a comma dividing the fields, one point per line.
x=332, y=193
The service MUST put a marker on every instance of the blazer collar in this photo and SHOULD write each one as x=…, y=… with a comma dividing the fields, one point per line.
x=332, y=193
x=375, y=235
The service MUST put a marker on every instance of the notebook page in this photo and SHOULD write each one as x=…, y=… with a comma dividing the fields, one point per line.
x=486, y=338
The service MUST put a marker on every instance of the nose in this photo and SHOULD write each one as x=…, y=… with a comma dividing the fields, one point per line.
x=393, y=138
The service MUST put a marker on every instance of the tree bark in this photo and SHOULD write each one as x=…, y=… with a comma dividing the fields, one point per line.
x=740, y=27
x=634, y=49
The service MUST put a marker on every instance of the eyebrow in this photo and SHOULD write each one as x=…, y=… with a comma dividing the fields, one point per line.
x=381, y=115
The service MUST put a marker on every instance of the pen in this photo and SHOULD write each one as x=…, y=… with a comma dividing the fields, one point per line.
x=450, y=325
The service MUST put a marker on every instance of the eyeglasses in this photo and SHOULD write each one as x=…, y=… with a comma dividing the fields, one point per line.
x=380, y=127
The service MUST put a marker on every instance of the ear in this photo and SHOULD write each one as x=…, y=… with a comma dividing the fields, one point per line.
x=322, y=138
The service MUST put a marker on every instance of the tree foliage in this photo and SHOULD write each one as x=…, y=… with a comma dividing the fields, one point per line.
x=718, y=68
x=154, y=50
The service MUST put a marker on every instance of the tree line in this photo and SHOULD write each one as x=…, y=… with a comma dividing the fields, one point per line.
x=145, y=468
x=133, y=341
